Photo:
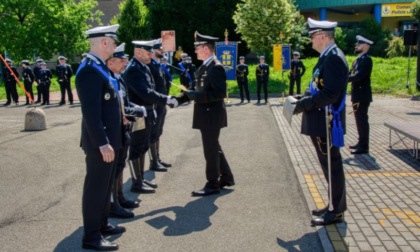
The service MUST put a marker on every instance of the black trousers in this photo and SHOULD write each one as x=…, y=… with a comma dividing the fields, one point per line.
x=44, y=87
x=96, y=194
x=28, y=88
x=264, y=84
x=338, y=181
x=65, y=87
x=362, y=123
x=11, y=91
x=294, y=79
x=243, y=84
x=157, y=128
x=123, y=153
x=39, y=91
x=217, y=166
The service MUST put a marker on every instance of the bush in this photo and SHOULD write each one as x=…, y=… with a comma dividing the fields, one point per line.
x=396, y=48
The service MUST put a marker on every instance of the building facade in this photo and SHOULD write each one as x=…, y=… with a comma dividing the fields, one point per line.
x=391, y=14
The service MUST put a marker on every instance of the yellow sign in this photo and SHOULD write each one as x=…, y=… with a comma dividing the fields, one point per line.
x=277, y=57
x=396, y=9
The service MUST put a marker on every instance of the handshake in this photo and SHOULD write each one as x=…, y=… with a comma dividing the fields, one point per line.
x=171, y=101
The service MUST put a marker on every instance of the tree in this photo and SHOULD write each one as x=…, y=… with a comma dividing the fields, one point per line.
x=45, y=27
x=208, y=17
x=260, y=22
x=134, y=23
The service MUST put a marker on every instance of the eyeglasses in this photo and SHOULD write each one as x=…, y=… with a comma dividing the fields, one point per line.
x=315, y=34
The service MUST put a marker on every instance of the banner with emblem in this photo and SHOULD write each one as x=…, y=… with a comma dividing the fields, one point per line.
x=226, y=54
x=282, y=57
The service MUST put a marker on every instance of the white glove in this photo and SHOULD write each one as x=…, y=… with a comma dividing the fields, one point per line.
x=171, y=101
x=143, y=109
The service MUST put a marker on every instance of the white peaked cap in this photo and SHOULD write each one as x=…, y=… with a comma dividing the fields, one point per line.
x=103, y=31
x=316, y=26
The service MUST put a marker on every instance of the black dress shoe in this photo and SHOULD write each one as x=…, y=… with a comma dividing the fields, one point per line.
x=353, y=147
x=205, y=192
x=119, y=212
x=101, y=245
x=140, y=187
x=6, y=104
x=112, y=230
x=328, y=218
x=130, y=203
x=360, y=151
x=158, y=168
x=61, y=103
x=226, y=183
x=166, y=165
x=319, y=212
x=150, y=183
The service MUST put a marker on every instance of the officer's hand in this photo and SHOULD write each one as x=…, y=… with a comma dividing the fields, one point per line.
x=190, y=94
x=108, y=153
x=298, y=108
x=171, y=102
x=140, y=111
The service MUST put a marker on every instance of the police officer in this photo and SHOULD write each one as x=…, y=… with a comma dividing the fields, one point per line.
x=210, y=114
x=296, y=72
x=37, y=73
x=158, y=74
x=262, y=73
x=327, y=91
x=10, y=83
x=185, y=77
x=361, y=93
x=117, y=63
x=101, y=136
x=242, y=78
x=28, y=79
x=45, y=78
x=64, y=74
x=191, y=70
x=168, y=75
x=141, y=91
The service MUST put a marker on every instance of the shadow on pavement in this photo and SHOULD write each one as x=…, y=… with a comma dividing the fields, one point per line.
x=193, y=217
x=301, y=244
x=73, y=242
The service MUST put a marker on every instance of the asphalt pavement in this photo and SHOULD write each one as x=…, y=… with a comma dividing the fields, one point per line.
x=42, y=177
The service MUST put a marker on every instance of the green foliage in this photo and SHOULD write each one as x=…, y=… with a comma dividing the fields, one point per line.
x=370, y=29
x=298, y=37
x=208, y=17
x=396, y=48
x=416, y=10
x=44, y=27
x=260, y=22
x=340, y=38
x=134, y=23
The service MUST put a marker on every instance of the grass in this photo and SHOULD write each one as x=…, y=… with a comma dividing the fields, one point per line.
x=389, y=76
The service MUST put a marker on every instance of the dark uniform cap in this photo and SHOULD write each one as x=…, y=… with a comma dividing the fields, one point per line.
x=241, y=57
x=362, y=40
x=25, y=62
x=157, y=43
x=8, y=60
x=39, y=60
x=146, y=45
x=119, y=52
x=43, y=63
x=204, y=39
x=62, y=58
x=316, y=26
x=262, y=57
x=103, y=31
x=296, y=53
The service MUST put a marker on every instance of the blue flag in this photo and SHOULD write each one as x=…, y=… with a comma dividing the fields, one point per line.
x=226, y=54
